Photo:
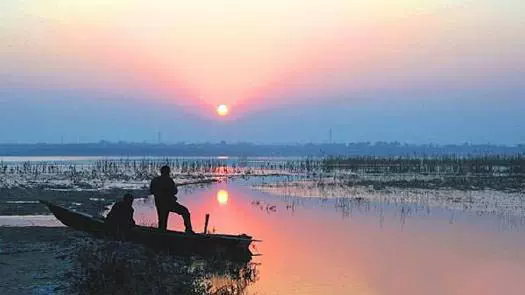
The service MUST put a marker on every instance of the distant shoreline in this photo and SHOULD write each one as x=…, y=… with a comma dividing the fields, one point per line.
x=123, y=149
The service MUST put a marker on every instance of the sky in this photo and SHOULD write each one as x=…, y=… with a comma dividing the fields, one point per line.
x=424, y=71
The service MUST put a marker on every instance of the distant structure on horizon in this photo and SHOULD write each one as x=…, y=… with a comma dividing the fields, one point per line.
x=159, y=137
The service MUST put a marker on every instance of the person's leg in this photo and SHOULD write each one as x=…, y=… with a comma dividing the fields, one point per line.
x=162, y=213
x=162, y=218
x=183, y=211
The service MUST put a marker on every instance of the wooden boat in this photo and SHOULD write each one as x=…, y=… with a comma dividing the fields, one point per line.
x=235, y=247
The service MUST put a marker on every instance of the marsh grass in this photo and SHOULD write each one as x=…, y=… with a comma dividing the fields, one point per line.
x=117, y=267
x=441, y=179
x=456, y=165
x=113, y=267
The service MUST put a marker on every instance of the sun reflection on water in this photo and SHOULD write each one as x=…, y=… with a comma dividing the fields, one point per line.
x=222, y=197
x=374, y=250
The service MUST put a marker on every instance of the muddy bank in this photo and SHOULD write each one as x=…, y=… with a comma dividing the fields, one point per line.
x=35, y=260
x=42, y=260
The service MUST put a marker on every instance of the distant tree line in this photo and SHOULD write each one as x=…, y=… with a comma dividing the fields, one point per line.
x=377, y=149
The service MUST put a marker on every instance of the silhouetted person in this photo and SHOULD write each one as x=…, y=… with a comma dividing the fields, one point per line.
x=164, y=190
x=121, y=215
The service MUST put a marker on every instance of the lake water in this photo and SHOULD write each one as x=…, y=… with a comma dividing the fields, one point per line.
x=314, y=246
x=326, y=246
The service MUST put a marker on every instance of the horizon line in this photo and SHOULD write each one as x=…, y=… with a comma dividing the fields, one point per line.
x=224, y=142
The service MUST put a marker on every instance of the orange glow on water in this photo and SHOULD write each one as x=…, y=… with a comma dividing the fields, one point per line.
x=222, y=197
x=356, y=256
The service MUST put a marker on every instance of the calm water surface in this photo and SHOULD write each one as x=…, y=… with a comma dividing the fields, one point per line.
x=316, y=246
x=312, y=246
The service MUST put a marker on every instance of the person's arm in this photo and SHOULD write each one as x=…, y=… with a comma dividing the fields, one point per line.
x=174, y=189
x=152, y=186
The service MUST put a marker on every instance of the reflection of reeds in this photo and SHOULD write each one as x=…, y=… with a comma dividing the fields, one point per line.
x=227, y=278
x=375, y=195
x=487, y=185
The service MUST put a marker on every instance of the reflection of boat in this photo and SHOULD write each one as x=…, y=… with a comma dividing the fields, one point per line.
x=209, y=245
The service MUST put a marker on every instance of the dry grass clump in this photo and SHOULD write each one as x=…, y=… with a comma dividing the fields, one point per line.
x=113, y=267
x=117, y=267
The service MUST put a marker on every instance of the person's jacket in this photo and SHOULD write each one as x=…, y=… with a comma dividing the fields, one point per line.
x=121, y=215
x=163, y=188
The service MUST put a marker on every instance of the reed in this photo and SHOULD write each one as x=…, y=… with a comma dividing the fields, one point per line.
x=480, y=165
x=117, y=267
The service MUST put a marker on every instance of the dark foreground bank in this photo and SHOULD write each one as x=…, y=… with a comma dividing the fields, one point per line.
x=40, y=260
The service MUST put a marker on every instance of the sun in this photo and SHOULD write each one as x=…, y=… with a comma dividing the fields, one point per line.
x=222, y=197
x=222, y=110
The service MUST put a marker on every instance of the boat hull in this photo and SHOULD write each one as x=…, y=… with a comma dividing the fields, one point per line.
x=233, y=247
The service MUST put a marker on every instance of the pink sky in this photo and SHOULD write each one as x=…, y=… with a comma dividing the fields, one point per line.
x=252, y=53
x=271, y=57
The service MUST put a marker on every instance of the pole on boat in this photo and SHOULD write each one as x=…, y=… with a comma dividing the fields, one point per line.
x=206, y=223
